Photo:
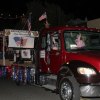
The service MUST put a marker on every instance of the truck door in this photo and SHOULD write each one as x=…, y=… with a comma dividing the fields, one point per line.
x=50, y=52
x=55, y=52
x=44, y=60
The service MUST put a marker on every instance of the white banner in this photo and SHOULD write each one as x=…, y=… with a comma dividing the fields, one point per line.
x=42, y=54
x=20, y=39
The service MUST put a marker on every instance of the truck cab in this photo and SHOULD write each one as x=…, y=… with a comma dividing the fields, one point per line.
x=69, y=61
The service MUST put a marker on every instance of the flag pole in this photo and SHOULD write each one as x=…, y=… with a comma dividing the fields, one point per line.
x=46, y=24
x=3, y=49
x=29, y=23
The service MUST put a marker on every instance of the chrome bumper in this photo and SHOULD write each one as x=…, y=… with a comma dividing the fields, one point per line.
x=90, y=91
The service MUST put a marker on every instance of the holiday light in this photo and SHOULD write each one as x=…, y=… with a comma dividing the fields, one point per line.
x=4, y=17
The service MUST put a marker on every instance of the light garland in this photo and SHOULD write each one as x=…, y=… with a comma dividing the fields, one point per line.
x=6, y=17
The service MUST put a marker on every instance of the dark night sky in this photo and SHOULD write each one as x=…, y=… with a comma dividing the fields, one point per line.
x=13, y=6
x=80, y=8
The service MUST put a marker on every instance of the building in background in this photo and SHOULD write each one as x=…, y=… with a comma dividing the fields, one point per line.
x=95, y=23
x=77, y=22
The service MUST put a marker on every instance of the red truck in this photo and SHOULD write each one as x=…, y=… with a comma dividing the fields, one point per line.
x=68, y=61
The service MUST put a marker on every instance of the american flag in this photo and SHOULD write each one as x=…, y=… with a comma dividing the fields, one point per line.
x=43, y=16
x=29, y=23
x=17, y=41
x=20, y=41
x=23, y=41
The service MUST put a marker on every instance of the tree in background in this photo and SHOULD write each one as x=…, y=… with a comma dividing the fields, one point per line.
x=55, y=15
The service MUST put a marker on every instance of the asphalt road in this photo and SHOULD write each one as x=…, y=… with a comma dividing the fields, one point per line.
x=10, y=91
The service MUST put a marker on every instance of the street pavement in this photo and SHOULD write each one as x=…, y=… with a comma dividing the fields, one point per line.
x=10, y=91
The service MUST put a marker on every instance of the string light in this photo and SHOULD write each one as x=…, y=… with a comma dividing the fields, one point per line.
x=4, y=17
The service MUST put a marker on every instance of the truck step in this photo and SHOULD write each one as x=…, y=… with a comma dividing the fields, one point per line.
x=52, y=77
x=48, y=86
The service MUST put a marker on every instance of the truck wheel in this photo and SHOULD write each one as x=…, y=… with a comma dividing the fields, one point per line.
x=69, y=89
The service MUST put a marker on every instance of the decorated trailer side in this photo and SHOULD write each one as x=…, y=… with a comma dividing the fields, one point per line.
x=21, y=43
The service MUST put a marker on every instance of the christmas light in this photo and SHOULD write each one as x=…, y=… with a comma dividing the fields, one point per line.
x=9, y=16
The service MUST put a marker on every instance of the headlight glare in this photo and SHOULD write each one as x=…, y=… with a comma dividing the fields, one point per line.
x=86, y=71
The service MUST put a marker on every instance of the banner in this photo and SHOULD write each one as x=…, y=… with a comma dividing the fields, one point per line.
x=21, y=39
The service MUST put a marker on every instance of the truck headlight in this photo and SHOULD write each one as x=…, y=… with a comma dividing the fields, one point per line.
x=86, y=71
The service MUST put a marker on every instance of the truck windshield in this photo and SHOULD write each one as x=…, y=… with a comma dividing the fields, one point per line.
x=82, y=40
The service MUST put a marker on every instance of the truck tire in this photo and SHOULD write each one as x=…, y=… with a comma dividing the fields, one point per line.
x=69, y=89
